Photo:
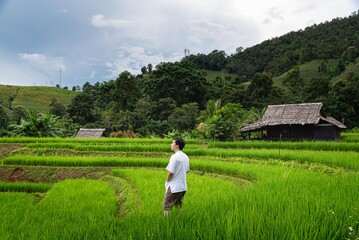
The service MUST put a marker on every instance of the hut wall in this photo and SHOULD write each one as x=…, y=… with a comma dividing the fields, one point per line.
x=323, y=132
x=326, y=132
x=290, y=132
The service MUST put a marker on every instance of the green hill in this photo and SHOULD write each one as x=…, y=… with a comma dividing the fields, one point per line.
x=308, y=71
x=212, y=75
x=35, y=98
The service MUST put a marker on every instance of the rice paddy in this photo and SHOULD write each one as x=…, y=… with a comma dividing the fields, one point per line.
x=113, y=189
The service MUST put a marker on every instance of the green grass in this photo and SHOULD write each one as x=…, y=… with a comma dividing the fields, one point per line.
x=233, y=193
x=72, y=209
x=290, y=204
x=212, y=75
x=350, y=144
x=96, y=141
x=24, y=187
x=350, y=137
x=350, y=68
x=36, y=98
x=308, y=71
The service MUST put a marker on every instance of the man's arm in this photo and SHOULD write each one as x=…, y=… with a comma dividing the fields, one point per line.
x=169, y=176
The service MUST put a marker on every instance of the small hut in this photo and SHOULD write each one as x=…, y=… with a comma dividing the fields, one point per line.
x=90, y=132
x=304, y=121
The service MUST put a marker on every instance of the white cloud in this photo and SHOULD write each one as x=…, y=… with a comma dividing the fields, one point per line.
x=112, y=36
x=205, y=36
x=92, y=74
x=63, y=10
x=21, y=75
x=43, y=64
x=134, y=58
x=99, y=20
x=34, y=57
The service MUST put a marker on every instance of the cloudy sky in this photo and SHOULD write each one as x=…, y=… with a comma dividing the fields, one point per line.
x=43, y=42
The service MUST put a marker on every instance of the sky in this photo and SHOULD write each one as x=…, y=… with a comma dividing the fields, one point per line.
x=69, y=43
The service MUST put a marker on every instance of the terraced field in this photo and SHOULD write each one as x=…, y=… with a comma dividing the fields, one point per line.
x=113, y=189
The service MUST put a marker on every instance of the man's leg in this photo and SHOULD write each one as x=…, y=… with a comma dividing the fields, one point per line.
x=172, y=199
x=166, y=206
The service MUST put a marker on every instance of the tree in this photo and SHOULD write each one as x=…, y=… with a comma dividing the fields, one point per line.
x=257, y=114
x=316, y=89
x=343, y=101
x=4, y=118
x=57, y=109
x=211, y=109
x=37, y=125
x=126, y=92
x=11, y=99
x=225, y=124
x=144, y=70
x=260, y=89
x=237, y=95
x=350, y=54
x=81, y=110
x=141, y=116
x=149, y=67
x=179, y=81
x=184, y=118
x=239, y=49
x=216, y=60
x=76, y=88
x=295, y=84
x=162, y=109
x=18, y=113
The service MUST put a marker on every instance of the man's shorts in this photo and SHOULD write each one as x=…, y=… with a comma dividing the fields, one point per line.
x=172, y=199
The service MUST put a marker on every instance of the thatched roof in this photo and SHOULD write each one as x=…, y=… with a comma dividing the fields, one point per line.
x=290, y=114
x=90, y=132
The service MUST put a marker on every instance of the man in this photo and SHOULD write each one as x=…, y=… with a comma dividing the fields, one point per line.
x=176, y=185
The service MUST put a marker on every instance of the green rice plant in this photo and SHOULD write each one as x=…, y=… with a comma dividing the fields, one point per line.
x=350, y=137
x=72, y=209
x=299, y=205
x=348, y=160
x=91, y=140
x=150, y=185
x=127, y=195
x=14, y=208
x=83, y=161
x=201, y=164
x=233, y=193
x=282, y=203
x=304, y=145
x=24, y=187
x=105, y=147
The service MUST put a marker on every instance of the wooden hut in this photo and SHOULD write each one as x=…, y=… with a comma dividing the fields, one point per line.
x=304, y=121
x=90, y=132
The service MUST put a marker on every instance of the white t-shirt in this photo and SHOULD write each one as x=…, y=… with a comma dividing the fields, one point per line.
x=179, y=166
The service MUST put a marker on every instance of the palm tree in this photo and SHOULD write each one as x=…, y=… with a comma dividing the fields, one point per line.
x=258, y=113
x=212, y=107
x=37, y=125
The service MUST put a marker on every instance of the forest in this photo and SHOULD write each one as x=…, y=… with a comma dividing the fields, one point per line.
x=182, y=98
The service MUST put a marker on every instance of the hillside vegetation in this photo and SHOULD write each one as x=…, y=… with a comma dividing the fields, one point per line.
x=34, y=98
x=214, y=95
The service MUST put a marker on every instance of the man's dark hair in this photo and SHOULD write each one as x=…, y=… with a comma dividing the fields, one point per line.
x=180, y=142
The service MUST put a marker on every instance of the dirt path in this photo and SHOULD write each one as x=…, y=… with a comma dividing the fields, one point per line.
x=7, y=149
x=49, y=174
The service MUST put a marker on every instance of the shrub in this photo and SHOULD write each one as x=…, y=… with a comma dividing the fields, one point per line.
x=123, y=134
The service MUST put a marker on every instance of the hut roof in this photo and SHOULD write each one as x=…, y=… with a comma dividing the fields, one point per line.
x=90, y=132
x=289, y=114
